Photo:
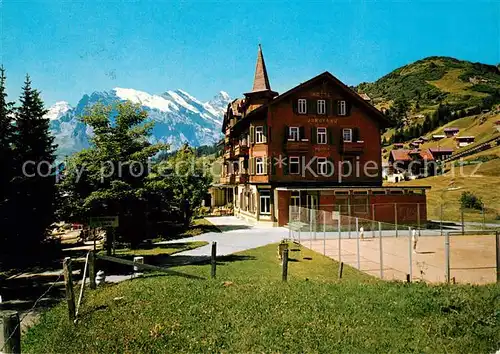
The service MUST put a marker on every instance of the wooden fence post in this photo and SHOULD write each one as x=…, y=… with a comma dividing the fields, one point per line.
x=92, y=272
x=341, y=269
x=10, y=332
x=213, y=259
x=284, y=273
x=68, y=284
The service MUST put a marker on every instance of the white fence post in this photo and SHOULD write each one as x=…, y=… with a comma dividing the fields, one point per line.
x=339, y=226
x=447, y=256
x=381, y=251
x=290, y=222
x=324, y=232
x=396, y=217
x=373, y=220
x=410, y=254
x=300, y=221
x=357, y=245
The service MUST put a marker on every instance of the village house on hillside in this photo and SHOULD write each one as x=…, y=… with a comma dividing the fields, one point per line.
x=316, y=146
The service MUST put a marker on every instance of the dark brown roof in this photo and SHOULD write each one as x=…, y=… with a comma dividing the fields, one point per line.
x=326, y=75
x=404, y=155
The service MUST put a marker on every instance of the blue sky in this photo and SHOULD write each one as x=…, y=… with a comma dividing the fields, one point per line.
x=75, y=47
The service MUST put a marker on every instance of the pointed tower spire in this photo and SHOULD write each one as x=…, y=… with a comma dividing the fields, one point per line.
x=261, y=80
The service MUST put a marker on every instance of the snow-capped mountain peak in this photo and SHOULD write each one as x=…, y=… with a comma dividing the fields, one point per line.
x=178, y=117
x=145, y=99
x=58, y=110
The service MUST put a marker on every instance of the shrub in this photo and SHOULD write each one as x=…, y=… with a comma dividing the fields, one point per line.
x=470, y=201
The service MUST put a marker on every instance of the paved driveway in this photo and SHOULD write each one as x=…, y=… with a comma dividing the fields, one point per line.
x=237, y=235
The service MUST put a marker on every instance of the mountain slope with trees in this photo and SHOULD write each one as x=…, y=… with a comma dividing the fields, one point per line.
x=424, y=95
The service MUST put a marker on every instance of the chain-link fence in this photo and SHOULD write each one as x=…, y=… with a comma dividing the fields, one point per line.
x=395, y=251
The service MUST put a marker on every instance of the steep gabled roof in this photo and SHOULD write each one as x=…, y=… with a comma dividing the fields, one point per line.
x=350, y=93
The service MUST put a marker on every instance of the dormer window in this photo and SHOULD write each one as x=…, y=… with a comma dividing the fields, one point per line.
x=342, y=108
x=321, y=107
x=302, y=106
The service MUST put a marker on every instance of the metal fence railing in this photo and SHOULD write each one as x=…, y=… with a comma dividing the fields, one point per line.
x=396, y=251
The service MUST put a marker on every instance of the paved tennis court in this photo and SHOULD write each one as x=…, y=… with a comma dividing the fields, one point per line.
x=472, y=258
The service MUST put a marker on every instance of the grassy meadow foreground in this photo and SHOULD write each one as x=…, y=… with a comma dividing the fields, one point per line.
x=249, y=309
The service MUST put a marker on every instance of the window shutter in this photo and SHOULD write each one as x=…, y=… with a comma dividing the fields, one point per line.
x=328, y=107
x=285, y=165
x=335, y=108
x=330, y=136
x=252, y=134
x=302, y=133
x=272, y=162
x=264, y=132
x=355, y=134
x=265, y=162
x=311, y=106
x=348, y=107
x=295, y=105
x=313, y=135
x=286, y=135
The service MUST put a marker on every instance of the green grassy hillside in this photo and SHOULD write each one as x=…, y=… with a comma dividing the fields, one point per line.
x=482, y=126
x=437, y=80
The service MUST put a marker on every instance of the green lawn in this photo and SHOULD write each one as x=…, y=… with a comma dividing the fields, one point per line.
x=165, y=249
x=482, y=180
x=247, y=309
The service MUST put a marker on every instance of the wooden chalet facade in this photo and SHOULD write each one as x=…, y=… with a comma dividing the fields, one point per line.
x=295, y=149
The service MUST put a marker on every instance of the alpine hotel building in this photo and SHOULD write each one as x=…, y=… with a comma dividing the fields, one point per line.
x=294, y=149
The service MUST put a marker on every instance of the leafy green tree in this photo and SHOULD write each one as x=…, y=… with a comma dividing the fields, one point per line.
x=108, y=179
x=6, y=163
x=34, y=182
x=186, y=179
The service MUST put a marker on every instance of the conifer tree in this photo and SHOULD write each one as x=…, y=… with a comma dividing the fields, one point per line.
x=6, y=120
x=34, y=156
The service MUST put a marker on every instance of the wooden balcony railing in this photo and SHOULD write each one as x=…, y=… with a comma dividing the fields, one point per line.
x=353, y=148
x=297, y=146
x=228, y=152
x=241, y=178
x=240, y=150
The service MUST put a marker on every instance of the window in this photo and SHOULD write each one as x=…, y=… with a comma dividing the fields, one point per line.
x=347, y=135
x=321, y=135
x=265, y=202
x=294, y=167
x=259, y=165
x=342, y=108
x=259, y=134
x=302, y=106
x=360, y=204
x=293, y=134
x=322, y=165
x=321, y=107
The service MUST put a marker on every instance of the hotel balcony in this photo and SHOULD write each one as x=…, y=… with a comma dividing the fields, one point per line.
x=228, y=152
x=229, y=179
x=297, y=146
x=353, y=148
x=241, y=178
x=240, y=150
